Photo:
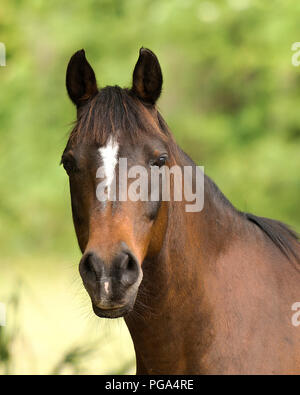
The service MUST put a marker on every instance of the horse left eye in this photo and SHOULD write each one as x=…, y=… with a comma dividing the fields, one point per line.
x=160, y=161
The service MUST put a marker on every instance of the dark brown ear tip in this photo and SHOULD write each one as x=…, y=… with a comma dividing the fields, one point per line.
x=146, y=51
x=79, y=54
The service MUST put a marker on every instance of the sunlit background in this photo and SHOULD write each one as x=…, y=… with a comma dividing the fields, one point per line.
x=231, y=96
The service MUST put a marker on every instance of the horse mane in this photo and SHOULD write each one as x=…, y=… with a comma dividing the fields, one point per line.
x=280, y=234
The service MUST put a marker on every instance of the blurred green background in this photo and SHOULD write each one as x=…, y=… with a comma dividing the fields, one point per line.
x=231, y=97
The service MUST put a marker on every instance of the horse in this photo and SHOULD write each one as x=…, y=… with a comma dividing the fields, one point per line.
x=207, y=292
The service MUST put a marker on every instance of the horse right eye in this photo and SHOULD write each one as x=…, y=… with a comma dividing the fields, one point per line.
x=69, y=165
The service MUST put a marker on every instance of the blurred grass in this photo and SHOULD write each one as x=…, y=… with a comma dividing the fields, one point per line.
x=231, y=97
x=50, y=326
x=8, y=337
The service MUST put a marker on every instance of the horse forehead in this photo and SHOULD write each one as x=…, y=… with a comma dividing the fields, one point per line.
x=109, y=156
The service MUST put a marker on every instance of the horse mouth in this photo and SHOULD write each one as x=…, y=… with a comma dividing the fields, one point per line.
x=112, y=312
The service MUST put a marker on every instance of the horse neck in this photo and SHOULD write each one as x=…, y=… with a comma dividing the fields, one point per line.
x=189, y=241
x=171, y=295
x=193, y=240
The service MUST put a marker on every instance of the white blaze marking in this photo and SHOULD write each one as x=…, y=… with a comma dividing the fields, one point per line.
x=106, y=286
x=109, y=155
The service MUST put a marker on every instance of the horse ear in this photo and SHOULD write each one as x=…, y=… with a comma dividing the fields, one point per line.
x=80, y=79
x=147, y=77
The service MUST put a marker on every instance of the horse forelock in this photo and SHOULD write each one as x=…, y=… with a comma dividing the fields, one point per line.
x=113, y=111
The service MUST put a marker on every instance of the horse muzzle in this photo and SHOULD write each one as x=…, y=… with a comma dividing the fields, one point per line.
x=112, y=286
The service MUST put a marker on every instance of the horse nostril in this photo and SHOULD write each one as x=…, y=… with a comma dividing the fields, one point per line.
x=129, y=268
x=87, y=264
x=132, y=264
x=91, y=263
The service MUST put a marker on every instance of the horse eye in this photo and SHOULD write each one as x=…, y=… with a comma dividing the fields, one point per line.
x=161, y=161
x=69, y=165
